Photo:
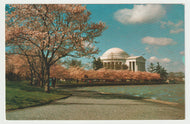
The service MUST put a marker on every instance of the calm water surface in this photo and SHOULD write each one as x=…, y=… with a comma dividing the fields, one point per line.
x=166, y=92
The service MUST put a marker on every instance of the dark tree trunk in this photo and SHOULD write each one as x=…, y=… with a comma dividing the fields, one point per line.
x=42, y=74
x=38, y=81
x=53, y=82
x=47, y=77
x=42, y=82
x=31, y=77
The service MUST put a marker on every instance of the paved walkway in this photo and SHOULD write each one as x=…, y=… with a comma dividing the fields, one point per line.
x=87, y=105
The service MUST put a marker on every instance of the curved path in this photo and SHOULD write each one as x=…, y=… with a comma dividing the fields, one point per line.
x=89, y=105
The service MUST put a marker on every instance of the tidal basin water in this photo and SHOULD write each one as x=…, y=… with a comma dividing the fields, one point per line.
x=165, y=92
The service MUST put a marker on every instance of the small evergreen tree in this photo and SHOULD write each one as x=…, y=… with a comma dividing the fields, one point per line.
x=151, y=68
x=162, y=71
x=158, y=69
x=97, y=63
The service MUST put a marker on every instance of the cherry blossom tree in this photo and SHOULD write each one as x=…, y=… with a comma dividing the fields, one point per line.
x=50, y=32
x=76, y=73
x=108, y=74
x=59, y=72
x=16, y=65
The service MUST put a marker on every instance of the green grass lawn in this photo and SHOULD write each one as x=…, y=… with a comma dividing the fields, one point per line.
x=19, y=94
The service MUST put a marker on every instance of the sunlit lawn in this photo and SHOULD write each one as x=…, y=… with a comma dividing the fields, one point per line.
x=19, y=94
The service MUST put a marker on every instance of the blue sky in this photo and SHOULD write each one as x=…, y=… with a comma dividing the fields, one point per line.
x=155, y=31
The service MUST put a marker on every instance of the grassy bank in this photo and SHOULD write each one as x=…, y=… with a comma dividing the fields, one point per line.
x=19, y=94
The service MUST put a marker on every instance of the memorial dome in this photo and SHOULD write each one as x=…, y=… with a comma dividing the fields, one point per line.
x=114, y=53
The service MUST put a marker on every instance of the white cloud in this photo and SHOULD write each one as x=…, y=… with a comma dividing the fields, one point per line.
x=176, y=31
x=140, y=14
x=86, y=44
x=153, y=50
x=162, y=60
x=174, y=27
x=158, y=41
x=163, y=24
x=180, y=23
x=148, y=49
x=171, y=24
x=182, y=53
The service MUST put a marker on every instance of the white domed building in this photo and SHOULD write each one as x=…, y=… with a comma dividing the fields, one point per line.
x=118, y=59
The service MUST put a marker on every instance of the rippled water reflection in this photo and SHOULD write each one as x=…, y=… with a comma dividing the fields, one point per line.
x=166, y=92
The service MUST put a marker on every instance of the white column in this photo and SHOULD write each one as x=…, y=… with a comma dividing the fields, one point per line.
x=121, y=66
x=131, y=66
x=135, y=66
